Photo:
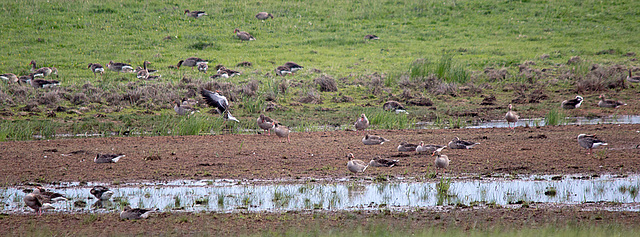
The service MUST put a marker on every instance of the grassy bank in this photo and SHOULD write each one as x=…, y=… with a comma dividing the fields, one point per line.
x=436, y=57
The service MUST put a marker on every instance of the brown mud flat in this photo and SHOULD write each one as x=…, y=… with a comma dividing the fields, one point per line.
x=533, y=216
x=318, y=155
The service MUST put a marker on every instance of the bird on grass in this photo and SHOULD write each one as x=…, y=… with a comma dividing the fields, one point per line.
x=191, y=62
x=9, y=77
x=107, y=158
x=590, y=142
x=263, y=16
x=293, y=66
x=195, y=14
x=371, y=37
x=96, y=68
x=144, y=73
x=129, y=213
x=243, y=35
x=119, y=67
x=373, y=140
x=572, y=103
x=511, y=117
x=456, y=143
x=218, y=101
x=631, y=78
x=356, y=166
x=283, y=70
x=266, y=123
x=182, y=109
x=41, y=83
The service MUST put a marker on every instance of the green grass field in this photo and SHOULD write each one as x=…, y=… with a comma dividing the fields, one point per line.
x=456, y=39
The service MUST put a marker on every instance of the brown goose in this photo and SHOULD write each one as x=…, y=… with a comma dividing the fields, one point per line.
x=40, y=83
x=151, y=71
x=380, y=162
x=51, y=196
x=218, y=101
x=429, y=148
x=573, y=103
x=263, y=16
x=356, y=166
x=9, y=77
x=195, y=14
x=293, y=66
x=136, y=213
x=371, y=37
x=223, y=70
x=243, y=35
x=266, y=123
x=107, y=158
x=281, y=131
x=392, y=105
x=590, y=142
x=633, y=79
x=456, y=143
x=511, y=117
x=283, y=70
x=119, y=67
x=609, y=103
x=36, y=201
x=34, y=67
x=96, y=68
x=407, y=147
x=361, y=123
x=144, y=73
x=441, y=161
x=191, y=62
x=101, y=192
x=373, y=140
x=203, y=67
x=182, y=109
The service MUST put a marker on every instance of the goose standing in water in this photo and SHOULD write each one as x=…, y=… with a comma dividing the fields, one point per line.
x=96, y=68
x=373, y=140
x=9, y=77
x=604, y=103
x=243, y=35
x=573, y=103
x=263, y=16
x=119, y=67
x=441, y=161
x=218, y=101
x=281, y=131
x=456, y=143
x=356, y=166
x=195, y=14
x=101, y=192
x=136, y=213
x=266, y=123
x=590, y=142
x=381, y=162
x=36, y=201
x=361, y=123
x=407, y=147
x=429, y=148
x=511, y=117
x=107, y=158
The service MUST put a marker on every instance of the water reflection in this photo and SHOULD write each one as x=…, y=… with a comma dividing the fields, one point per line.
x=232, y=196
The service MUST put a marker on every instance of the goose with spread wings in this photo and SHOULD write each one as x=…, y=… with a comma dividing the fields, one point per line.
x=218, y=101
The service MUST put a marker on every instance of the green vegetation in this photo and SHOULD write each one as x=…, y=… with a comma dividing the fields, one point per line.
x=445, y=52
x=554, y=117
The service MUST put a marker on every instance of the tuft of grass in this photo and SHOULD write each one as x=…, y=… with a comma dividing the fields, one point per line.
x=554, y=117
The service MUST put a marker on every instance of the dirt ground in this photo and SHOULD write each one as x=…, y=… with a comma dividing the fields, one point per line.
x=534, y=150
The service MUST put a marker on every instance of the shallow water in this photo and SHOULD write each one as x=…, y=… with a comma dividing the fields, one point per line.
x=619, y=119
x=230, y=195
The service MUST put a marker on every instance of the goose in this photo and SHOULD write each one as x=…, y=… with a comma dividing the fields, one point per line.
x=373, y=140
x=590, y=142
x=219, y=75
x=191, y=62
x=293, y=66
x=371, y=37
x=218, y=101
x=633, y=79
x=283, y=70
x=263, y=16
x=243, y=35
x=356, y=166
x=96, y=68
x=37, y=202
x=456, y=143
x=361, y=123
x=26, y=79
x=144, y=73
x=195, y=14
x=203, y=67
x=107, y=158
x=9, y=77
x=136, y=213
x=441, y=161
x=151, y=71
x=392, y=105
x=40, y=83
x=511, y=117
x=33, y=66
x=51, y=196
x=119, y=67
x=573, y=103
x=266, y=123
x=154, y=77
x=223, y=70
x=101, y=192
x=429, y=148
x=609, y=103
x=380, y=162
x=182, y=109
x=407, y=147
x=42, y=72
x=281, y=131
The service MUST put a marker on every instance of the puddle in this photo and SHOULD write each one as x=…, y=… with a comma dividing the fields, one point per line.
x=619, y=119
x=231, y=196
